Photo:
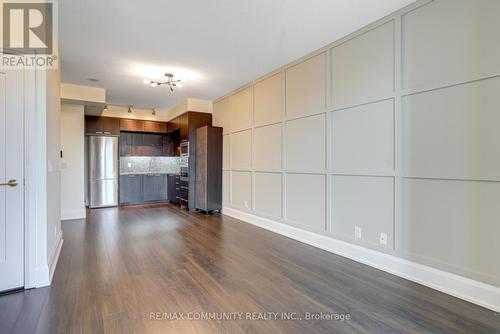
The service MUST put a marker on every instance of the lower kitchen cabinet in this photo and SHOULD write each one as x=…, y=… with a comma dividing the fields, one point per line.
x=131, y=189
x=138, y=189
x=155, y=188
x=173, y=185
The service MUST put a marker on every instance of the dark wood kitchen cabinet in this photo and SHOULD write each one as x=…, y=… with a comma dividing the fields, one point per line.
x=131, y=125
x=155, y=188
x=173, y=185
x=184, y=126
x=131, y=189
x=125, y=144
x=155, y=127
x=137, y=147
x=138, y=188
x=152, y=144
x=110, y=126
x=95, y=125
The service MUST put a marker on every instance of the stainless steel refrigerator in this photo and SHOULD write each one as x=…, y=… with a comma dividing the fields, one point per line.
x=103, y=171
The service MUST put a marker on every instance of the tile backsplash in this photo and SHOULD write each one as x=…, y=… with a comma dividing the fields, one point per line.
x=149, y=165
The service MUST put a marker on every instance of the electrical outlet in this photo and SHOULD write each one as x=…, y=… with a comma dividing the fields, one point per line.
x=246, y=204
x=129, y=164
x=383, y=239
x=357, y=232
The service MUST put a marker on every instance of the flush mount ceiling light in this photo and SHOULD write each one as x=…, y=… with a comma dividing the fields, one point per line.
x=170, y=82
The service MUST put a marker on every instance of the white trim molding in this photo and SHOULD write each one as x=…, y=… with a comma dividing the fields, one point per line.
x=55, y=255
x=464, y=288
x=73, y=214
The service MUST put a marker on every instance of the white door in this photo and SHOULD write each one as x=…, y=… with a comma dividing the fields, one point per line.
x=11, y=180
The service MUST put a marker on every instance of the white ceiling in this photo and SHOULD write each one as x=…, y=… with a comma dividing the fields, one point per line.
x=220, y=44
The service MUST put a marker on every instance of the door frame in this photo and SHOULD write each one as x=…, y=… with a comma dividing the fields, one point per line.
x=34, y=112
x=36, y=270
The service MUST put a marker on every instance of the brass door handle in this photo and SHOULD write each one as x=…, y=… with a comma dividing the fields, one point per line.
x=11, y=183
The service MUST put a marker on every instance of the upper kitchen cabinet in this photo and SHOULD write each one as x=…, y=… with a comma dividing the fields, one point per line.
x=131, y=125
x=306, y=87
x=152, y=144
x=183, y=126
x=173, y=125
x=102, y=125
x=155, y=127
x=242, y=110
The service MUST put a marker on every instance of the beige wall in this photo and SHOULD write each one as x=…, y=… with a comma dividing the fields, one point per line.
x=72, y=163
x=393, y=129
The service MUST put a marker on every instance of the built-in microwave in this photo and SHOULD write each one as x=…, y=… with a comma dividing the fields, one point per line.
x=184, y=147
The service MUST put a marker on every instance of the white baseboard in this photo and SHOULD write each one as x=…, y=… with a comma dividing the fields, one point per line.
x=73, y=214
x=42, y=276
x=461, y=287
x=55, y=255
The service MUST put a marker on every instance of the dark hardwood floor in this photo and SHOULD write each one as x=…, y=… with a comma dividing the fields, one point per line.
x=121, y=265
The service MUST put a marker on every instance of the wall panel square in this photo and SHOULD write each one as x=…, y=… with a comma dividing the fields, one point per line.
x=306, y=200
x=222, y=114
x=268, y=193
x=268, y=100
x=453, y=225
x=306, y=87
x=363, y=138
x=452, y=40
x=453, y=132
x=242, y=110
x=241, y=150
x=367, y=202
x=363, y=67
x=226, y=186
x=267, y=147
x=306, y=144
x=241, y=190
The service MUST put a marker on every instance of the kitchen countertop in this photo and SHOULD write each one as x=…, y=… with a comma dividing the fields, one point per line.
x=148, y=173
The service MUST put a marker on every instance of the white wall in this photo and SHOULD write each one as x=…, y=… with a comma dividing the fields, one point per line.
x=53, y=110
x=393, y=129
x=72, y=163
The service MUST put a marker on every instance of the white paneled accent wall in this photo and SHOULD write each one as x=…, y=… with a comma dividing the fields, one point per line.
x=306, y=87
x=241, y=150
x=450, y=41
x=393, y=129
x=363, y=138
x=268, y=195
x=305, y=143
x=360, y=72
x=269, y=100
x=267, y=147
x=241, y=189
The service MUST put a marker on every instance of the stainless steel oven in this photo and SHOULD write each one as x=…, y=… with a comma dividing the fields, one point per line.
x=184, y=148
